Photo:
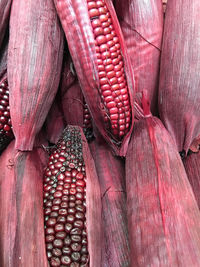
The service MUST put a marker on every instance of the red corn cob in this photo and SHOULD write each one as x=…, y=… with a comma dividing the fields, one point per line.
x=163, y=216
x=34, y=64
x=142, y=26
x=4, y=17
x=179, y=93
x=192, y=163
x=72, y=204
x=103, y=68
x=22, y=240
x=6, y=134
x=111, y=174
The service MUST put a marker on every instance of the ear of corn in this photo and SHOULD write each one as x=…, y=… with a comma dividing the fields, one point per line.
x=111, y=173
x=21, y=221
x=5, y=6
x=34, y=64
x=141, y=22
x=179, y=93
x=72, y=203
x=163, y=216
x=102, y=66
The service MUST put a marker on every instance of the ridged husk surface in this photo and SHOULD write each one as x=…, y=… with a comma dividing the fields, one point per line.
x=72, y=96
x=192, y=163
x=34, y=64
x=163, y=216
x=21, y=208
x=141, y=22
x=179, y=93
x=111, y=175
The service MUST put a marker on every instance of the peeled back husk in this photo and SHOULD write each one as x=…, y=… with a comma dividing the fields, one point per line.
x=81, y=42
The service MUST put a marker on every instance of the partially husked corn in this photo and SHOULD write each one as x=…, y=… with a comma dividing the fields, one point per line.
x=65, y=204
x=102, y=66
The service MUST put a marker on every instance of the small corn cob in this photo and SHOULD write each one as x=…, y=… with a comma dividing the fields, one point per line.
x=102, y=65
x=72, y=204
x=142, y=26
x=164, y=5
x=163, y=216
x=5, y=6
x=179, y=93
x=6, y=134
x=22, y=241
x=87, y=122
x=111, y=174
x=195, y=146
x=34, y=65
x=191, y=164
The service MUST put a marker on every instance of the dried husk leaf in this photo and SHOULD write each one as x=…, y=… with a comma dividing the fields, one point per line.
x=94, y=207
x=163, y=216
x=81, y=42
x=72, y=96
x=21, y=213
x=141, y=22
x=34, y=64
x=75, y=109
x=179, y=93
x=111, y=175
x=191, y=164
x=55, y=122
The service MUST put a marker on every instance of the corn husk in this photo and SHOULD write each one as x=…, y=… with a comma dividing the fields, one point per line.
x=191, y=164
x=141, y=22
x=179, y=93
x=34, y=64
x=21, y=208
x=111, y=174
x=163, y=216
